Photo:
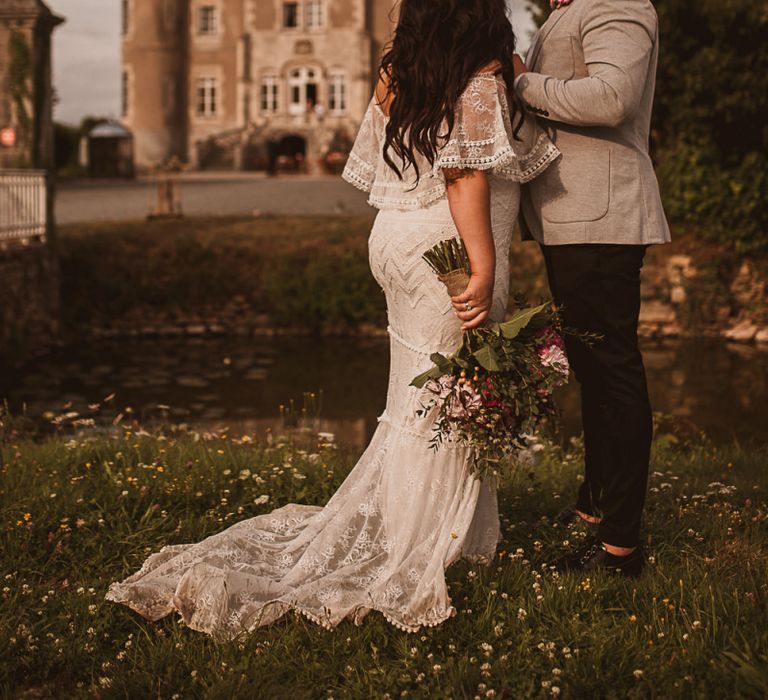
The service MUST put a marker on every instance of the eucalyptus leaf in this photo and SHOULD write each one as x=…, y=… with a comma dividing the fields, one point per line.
x=424, y=377
x=510, y=329
x=487, y=358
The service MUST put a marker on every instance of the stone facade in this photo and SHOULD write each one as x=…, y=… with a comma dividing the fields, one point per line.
x=248, y=83
x=29, y=278
x=26, y=95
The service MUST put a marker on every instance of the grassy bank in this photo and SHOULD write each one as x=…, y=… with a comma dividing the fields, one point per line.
x=234, y=275
x=306, y=271
x=77, y=512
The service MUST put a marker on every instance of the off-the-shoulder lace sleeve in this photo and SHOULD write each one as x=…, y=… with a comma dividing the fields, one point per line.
x=482, y=137
x=363, y=160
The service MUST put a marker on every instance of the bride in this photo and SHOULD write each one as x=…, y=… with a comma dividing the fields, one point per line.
x=442, y=150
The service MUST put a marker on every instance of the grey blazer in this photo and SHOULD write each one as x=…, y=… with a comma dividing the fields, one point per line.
x=591, y=83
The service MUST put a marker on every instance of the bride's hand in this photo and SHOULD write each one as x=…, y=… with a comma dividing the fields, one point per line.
x=474, y=304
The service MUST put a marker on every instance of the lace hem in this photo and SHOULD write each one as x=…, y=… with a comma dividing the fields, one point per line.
x=120, y=593
x=504, y=163
x=358, y=173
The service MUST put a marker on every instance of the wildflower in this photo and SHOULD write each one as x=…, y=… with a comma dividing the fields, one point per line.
x=637, y=673
x=555, y=691
x=261, y=500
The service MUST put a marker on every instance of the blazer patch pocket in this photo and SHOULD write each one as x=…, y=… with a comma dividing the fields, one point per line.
x=576, y=187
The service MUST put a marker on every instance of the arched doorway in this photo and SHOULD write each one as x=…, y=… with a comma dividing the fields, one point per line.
x=291, y=153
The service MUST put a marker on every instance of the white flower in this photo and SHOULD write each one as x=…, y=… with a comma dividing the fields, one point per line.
x=261, y=500
x=637, y=673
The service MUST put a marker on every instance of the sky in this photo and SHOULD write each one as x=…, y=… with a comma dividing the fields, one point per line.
x=86, y=56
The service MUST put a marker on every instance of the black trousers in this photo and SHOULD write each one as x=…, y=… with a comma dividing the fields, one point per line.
x=598, y=288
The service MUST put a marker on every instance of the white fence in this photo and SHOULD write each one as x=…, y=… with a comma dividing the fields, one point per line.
x=23, y=205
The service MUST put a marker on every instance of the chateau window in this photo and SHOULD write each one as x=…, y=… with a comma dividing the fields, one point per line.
x=207, y=97
x=208, y=23
x=337, y=94
x=269, y=89
x=315, y=14
x=125, y=88
x=126, y=17
x=171, y=15
x=302, y=85
x=290, y=15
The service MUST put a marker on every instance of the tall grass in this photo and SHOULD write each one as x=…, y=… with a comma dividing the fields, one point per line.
x=78, y=511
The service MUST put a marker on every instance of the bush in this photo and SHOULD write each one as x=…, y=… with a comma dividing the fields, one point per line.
x=318, y=289
x=304, y=272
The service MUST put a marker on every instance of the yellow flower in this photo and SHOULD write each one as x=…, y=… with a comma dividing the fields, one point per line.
x=27, y=516
x=633, y=618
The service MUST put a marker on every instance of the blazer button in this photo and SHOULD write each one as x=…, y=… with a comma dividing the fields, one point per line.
x=545, y=113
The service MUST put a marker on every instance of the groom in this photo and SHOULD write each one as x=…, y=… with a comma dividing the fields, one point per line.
x=590, y=80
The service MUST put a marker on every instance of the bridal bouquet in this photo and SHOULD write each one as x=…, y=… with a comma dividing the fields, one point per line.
x=495, y=390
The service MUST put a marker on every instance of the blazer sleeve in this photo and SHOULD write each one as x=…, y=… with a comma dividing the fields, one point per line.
x=617, y=40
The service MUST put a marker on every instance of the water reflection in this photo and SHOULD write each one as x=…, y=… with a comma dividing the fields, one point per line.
x=241, y=382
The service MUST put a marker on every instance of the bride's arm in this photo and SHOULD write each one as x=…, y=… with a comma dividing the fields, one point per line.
x=470, y=204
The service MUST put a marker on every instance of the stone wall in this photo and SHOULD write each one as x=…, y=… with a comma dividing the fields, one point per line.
x=29, y=313
x=695, y=289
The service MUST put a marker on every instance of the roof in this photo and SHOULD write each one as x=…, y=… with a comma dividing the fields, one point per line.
x=109, y=130
x=31, y=9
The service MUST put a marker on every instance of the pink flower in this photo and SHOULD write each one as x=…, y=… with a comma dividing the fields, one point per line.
x=554, y=358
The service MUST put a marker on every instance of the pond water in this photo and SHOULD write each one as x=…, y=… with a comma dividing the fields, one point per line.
x=241, y=382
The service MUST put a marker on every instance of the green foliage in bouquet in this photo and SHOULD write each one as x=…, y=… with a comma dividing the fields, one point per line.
x=495, y=390
x=490, y=346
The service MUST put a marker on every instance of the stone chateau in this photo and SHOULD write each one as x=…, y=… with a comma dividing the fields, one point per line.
x=249, y=84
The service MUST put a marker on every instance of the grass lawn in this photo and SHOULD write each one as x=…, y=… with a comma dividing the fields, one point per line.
x=78, y=511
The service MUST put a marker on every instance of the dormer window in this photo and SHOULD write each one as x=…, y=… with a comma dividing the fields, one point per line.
x=208, y=23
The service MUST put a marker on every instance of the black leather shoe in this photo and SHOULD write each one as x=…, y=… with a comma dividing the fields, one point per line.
x=592, y=556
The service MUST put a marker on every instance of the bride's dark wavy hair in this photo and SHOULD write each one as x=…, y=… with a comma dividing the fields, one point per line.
x=438, y=46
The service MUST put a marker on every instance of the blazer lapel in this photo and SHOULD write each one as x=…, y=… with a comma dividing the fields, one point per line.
x=542, y=34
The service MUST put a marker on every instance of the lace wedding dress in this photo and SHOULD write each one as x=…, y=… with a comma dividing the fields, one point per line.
x=405, y=512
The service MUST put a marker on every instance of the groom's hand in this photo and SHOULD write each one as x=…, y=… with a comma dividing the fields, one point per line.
x=474, y=304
